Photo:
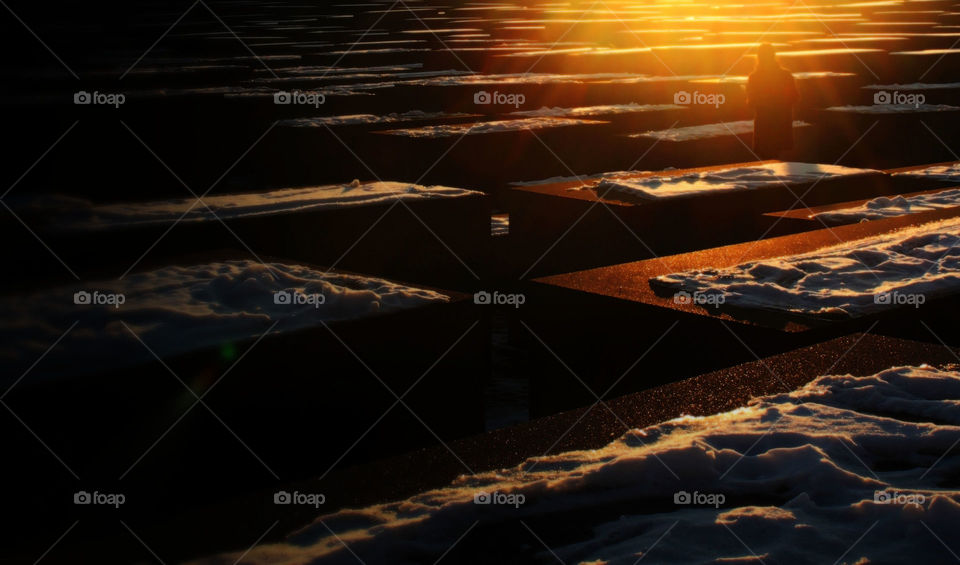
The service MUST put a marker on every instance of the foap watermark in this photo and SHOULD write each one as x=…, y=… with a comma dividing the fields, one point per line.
x=297, y=298
x=899, y=498
x=97, y=298
x=96, y=98
x=314, y=499
x=714, y=499
x=896, y=97
x=499, y=298
x=499, y=498
x=97, y=498
x=896, y=298
x=699, y=98
x=299, y=97
x=485, y=98
x=698, y=298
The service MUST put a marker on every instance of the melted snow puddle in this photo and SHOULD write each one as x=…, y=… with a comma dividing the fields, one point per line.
x=798, y=477
x=186, y=308
x=887, y=207
x=910, y=266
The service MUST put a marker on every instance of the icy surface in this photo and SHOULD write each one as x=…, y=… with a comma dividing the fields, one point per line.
x=227, y=206
x=846, y=280
x=179, y=309
x=803, y=477
x=706, y=131
x=888, y=207
x=720, y=180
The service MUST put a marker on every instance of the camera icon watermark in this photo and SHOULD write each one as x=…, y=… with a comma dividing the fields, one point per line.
x=896, y=298
x=714, y=299
x=97, y=498
x=485, y=98
x=884, y=97
x=499, y=498
x=298, y=97
x=97, y=298
x=714, y=499
x=699, y=98
x=315, y=499
x=899, y=498
x=499, y=298
x=95, y=98
x=297, y=298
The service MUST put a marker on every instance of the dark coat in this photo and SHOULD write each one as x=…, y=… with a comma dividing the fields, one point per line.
x=771, y=93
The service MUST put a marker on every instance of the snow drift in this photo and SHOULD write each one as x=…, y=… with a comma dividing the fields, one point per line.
x=845, y=469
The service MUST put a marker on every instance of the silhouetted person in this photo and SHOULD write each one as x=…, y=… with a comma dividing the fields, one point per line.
x=771, y=93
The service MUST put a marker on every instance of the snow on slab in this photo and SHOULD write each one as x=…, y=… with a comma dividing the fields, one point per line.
x=500, y=224
x=170, y=69
x=335, y=71
x=928, y=52
x=498, y=126
x=797, y=477
x=225, y=91
x=521, y=78
x=889, y=207
x=384, y=51
x=283, y=201
x=559, y=179
x=849, y=40
x=655, y=79
x=828, y=52
x=326, y=75
x=604, y=110
x=849, y=280
x=914, y=86
x=920, y=35
x=948, y=173
x=894, y=109
x=706, y=131
x=742, y=79
x=729, y=179
x=501, y=80
x=186, y=308
x=358, y=119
